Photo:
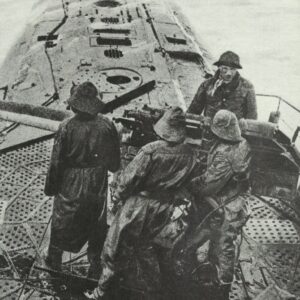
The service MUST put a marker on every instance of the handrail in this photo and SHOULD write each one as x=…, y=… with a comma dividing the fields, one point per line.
x=280, y=99
x=296, y=133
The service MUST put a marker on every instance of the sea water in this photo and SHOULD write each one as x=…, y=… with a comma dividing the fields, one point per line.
x=266, y=35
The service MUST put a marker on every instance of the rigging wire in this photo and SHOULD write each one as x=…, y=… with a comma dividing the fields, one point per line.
x=35, y=257
x=52, y=32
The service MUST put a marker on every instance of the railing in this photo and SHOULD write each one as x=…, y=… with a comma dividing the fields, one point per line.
x=289, y=121
x=280, y=99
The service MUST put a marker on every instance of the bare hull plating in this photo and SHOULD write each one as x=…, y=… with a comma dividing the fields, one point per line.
x=119, y=46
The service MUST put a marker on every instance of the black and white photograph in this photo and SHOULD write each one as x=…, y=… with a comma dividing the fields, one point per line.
x=149, y=150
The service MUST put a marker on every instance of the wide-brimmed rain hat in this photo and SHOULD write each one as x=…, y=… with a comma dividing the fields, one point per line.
x=171, y=126
x=84, y=98
x=225, y=126
x=229, y=59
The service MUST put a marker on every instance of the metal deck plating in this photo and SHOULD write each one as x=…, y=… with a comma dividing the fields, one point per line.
x=272, y=242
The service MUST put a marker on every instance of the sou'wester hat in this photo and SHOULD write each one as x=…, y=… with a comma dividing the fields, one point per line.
x=84, y=98
x=225, y=126
x=171, y=126
x=229, y=59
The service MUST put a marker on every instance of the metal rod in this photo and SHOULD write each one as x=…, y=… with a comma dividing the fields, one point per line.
x=244, y=282
x=296, y=134
x=75, y=258
x=281, y=100
x=36, y=254
x=39, y=111
x=9, y=260
x=41, y=123
x=13, y=126
x=263, y=276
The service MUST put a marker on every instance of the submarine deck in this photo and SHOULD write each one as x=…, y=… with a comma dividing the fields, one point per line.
x=270, y=248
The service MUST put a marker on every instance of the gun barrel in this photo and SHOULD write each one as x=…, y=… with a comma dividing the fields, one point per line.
x=127, y=97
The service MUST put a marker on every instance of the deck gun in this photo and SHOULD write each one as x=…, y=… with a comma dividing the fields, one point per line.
x=275, y=164
x=139, y=123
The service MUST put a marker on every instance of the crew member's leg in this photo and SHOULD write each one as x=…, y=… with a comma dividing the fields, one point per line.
x=95, y=245
x=225, y=245
x=54, y=257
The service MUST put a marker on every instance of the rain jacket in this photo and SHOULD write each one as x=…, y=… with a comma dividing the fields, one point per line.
x=150, y=186
x=84, y=150
x=238, y=96
x=224, y=182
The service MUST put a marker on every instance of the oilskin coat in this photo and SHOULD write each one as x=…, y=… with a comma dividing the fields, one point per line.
x=83, y=152
x=238, y=97
x=150, y=186
x=224, y=181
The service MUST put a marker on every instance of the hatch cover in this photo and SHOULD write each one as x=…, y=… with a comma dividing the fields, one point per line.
x=112, y=80
x=108, y=3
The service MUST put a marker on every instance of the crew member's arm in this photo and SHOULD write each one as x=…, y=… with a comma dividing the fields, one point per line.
x=133, y=175
x=55, y=169
x=251, y=107
x=198, y=104
x=113, y=160
x=215, y=178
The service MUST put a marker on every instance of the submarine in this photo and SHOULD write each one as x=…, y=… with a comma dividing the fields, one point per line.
x=138, y=54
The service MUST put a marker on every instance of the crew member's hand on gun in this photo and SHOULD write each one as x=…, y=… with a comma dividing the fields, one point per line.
x=96, y=294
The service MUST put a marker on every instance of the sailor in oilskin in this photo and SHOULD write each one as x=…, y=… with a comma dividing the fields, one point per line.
x=224, y=184
x=150, y=186
x=86, y=147
x=227, y=89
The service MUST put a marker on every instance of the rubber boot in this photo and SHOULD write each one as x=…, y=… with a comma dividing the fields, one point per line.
x=54, y=258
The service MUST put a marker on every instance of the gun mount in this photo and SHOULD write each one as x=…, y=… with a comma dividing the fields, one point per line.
x=140, y=124
x=275, y=165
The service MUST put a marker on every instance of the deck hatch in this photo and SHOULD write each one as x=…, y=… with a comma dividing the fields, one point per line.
x=175, y=40
x=112, y=30
x=108, y=3
x=111, y=80
x=49, y=37
x=118, y=79
x=113, y=41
